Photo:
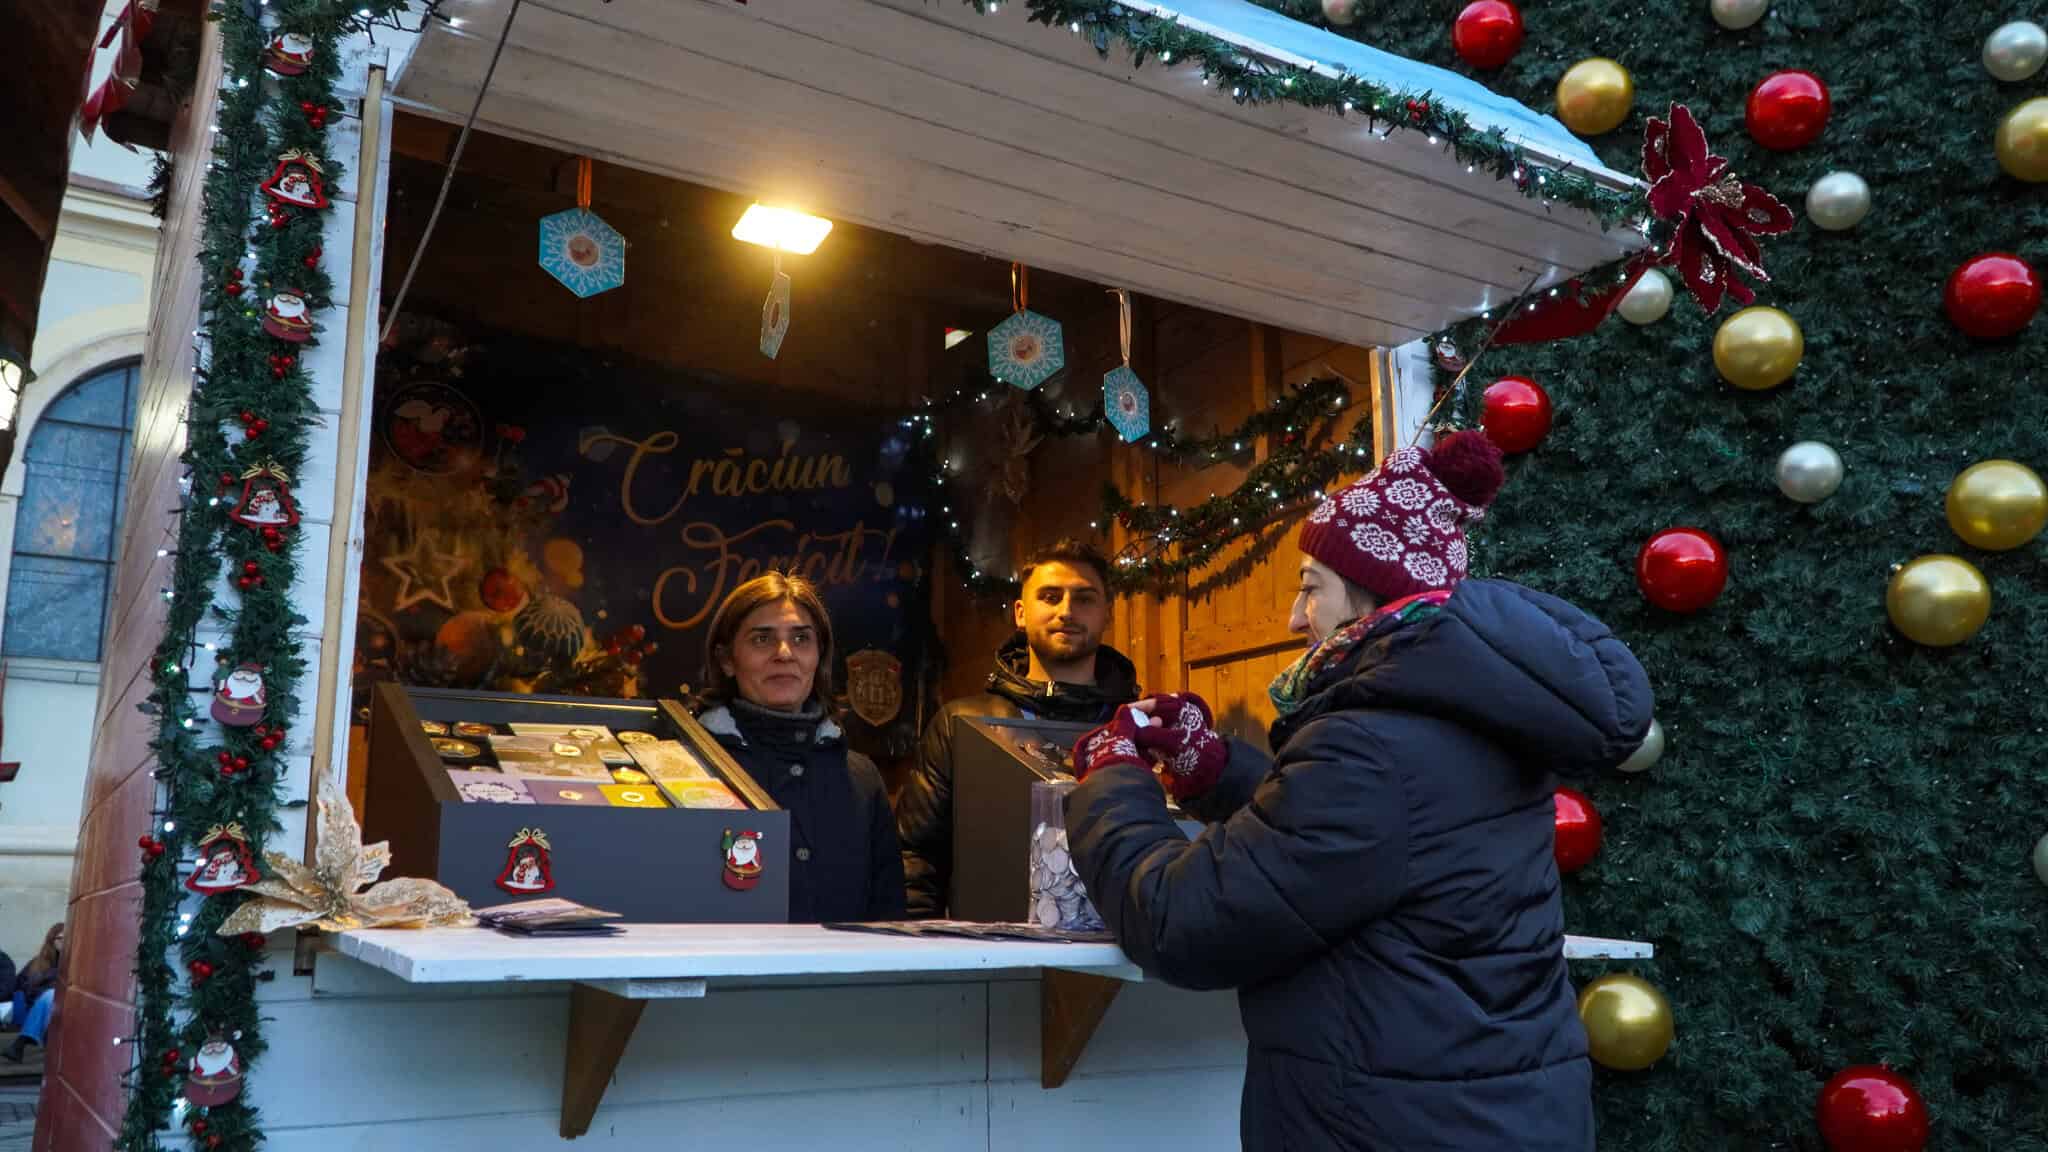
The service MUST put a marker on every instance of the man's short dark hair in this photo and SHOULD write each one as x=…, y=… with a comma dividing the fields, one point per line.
x=1071, y=552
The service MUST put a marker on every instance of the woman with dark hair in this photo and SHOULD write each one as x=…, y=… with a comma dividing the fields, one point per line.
x=35, y=995
x=769, y=661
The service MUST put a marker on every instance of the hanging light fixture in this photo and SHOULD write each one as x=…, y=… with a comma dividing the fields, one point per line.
x=783, y=229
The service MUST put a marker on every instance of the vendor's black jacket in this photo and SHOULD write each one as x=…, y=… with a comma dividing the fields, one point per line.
x=924, y=808
x=843, y=859
x=1383, y=895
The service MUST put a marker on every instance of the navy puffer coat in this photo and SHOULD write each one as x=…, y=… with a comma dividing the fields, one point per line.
x=1383, y=894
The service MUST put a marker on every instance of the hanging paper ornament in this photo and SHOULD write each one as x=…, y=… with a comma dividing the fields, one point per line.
x=2022, y=142
x=1681, y=570
x=1594, y=96
x=742, y=851
x=1026, y=349
x=1578, y=830
x=1871, y=1109
x=215, y=1077
x=296, y=181
x=266, y=500
x=1838, y=201
x=239, y=700
x=529, y=864
x=1993, y=296
x=287, y=316
x=1715, y=218
x=224, y=861
x=582, y=251
x=1787, y=110
x=1515, y=413
x=2016, y=51
x=1125, y=403
x=775, y=311
x=290, y=54
x=1487, y=33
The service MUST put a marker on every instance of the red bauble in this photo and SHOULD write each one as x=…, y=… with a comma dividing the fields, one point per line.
x=1788, y=110
x=1578, y=830
x=501, y=591
x=1516, y=413
x=1871, y=1109
x=1487, y=33
x=1681, y=569
x=1992, y=296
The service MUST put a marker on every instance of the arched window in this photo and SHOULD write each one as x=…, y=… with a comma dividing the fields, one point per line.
x=68, y=526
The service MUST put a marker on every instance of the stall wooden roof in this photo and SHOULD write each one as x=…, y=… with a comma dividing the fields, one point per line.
x=996, y=135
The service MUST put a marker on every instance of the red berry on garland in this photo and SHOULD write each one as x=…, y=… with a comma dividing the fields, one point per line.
x=231, y=288
x=1487, y=33
x=248, y=417
x=226, y=759
x=235, y=273
x=172, y=1056
x=1787, y=110
x=199, y=1127
x=241, y=763
x=144, y=841
x=260, y=427
x=312, y=261
x=280, y=220
x=244, y=583
x=213, y=1141
x=1993, y=296
x=1578, y=830
x=251, y=567
x=252, y=940
x=1515, y=414
x=1681, y=569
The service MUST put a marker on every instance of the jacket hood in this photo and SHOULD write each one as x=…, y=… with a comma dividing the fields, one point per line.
x=1116, y=682
x=1533, y=673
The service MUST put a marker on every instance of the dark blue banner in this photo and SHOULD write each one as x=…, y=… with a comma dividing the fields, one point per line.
x=544, y=518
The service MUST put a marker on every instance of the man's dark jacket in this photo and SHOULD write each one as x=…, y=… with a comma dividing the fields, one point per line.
x=1384, y=896
x=924, y=807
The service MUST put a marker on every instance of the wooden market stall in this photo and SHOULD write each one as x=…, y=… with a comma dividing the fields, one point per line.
x=1265, y=245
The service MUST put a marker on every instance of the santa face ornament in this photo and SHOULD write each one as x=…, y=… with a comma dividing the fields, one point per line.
x=225, y=862
x=742, y=859
x=239, y=700
x=529, y=866
x=290, y=54
x=266, y=500
x=287, y=316
x=215, y=1077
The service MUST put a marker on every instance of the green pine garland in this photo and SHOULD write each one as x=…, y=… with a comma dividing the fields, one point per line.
x=1254, y=81
x=242, y=376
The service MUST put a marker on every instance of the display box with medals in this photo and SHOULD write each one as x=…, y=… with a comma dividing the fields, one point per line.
x=628, y=805
x=1010, y=859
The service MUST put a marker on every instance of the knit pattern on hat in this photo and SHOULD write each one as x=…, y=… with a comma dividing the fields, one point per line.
x=1400, y=529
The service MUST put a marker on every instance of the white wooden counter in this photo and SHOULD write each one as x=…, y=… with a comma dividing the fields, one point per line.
x=613, y=978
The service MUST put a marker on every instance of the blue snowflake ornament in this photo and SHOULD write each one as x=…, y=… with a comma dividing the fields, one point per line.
x=1026, y=350
x=1126, y=404
x=582, y=251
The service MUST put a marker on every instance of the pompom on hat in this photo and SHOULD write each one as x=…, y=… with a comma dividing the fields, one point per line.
x=1399, y=530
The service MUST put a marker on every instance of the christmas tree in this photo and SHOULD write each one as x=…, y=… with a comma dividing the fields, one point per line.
x=1835, y=856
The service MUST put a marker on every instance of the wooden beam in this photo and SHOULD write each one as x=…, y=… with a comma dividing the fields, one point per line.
x=1071, y=1006
x=600, y=1024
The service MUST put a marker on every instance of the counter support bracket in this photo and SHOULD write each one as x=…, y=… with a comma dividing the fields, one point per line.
x=1071, y=1006
x=602, y=1016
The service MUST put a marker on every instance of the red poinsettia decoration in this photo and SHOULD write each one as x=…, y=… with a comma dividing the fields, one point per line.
x=1715, y=217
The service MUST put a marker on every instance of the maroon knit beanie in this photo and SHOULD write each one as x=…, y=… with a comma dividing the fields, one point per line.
x=1400, y=530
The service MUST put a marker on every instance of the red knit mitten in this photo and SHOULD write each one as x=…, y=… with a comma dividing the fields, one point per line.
x=1182, y=737
x=1114, y=743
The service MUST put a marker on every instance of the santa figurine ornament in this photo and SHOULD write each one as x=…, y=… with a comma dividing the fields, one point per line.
x=216, y=1074
x=225, y=862
x=287, y=316
x=297, y=181
x=239, y=700
x=529, y=867
x=266, y=500
x=742, y=859
x=290, y=54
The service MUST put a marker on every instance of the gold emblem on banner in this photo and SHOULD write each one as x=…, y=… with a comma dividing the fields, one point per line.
x=874, y=686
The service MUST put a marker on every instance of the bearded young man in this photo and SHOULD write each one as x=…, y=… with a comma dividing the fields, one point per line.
x=1055, y=667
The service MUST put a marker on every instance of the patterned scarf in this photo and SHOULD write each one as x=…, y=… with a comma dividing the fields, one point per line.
x=1291, y=689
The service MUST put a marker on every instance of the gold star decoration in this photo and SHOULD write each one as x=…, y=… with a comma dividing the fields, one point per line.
x=424, y=573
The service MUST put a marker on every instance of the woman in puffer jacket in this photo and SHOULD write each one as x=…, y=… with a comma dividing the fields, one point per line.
x=1382, y=894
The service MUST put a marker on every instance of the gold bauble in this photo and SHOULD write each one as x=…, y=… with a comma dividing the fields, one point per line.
x=1758, y=348
x=2023, y=141
x=1938, y=600
x=1997, y=505
x=1628, y=1022
x=1594, y=96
